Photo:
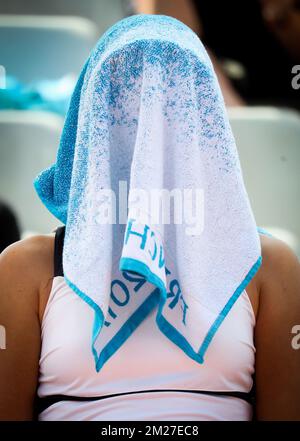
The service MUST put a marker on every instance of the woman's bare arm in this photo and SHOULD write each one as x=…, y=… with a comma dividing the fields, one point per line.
x=277, y=362
x=25, y=281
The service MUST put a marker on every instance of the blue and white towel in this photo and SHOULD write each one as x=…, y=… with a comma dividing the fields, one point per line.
x=147, y=118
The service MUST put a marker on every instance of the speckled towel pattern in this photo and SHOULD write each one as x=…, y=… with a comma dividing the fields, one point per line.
x=147, y=110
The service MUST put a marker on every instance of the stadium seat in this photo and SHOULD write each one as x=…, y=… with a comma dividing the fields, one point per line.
x=103, y=13
x=28, y=144
x=37, y=48
x=268, y=141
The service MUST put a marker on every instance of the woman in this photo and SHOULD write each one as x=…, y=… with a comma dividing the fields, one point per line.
x=124, y=314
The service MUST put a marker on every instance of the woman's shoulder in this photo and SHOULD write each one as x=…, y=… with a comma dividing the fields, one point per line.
x=29, y=258
x=26, y=274
x=278, y=279
x=26, y=270
x=280, y=268
x=279, y=262
x=276, y=360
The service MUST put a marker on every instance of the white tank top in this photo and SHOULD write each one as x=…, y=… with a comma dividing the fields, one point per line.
x=156, y=380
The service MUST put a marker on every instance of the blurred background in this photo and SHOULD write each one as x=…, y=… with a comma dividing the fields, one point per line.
x=255, y=49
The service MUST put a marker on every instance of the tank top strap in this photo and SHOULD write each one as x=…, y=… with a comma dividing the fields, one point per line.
x=58, y=251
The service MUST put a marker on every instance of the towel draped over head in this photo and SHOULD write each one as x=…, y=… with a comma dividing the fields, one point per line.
x=147, y=128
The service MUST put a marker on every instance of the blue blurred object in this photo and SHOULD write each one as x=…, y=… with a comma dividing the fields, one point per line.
x=50, y=95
